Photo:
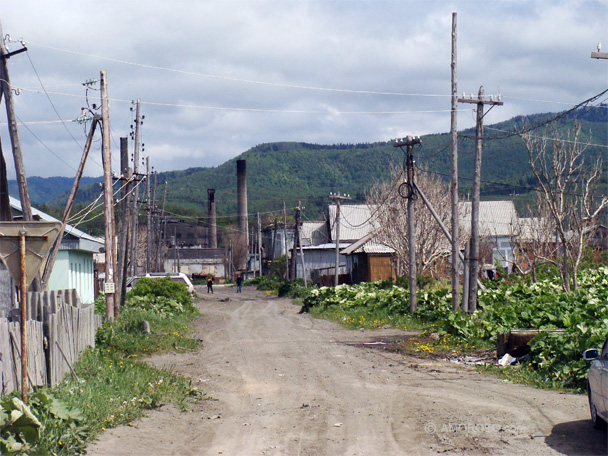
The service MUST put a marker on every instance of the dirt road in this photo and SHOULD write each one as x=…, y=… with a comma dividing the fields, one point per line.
x=287, y=384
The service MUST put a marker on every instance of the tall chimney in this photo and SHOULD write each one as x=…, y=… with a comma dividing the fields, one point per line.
x=241, y=196
x=211, y=219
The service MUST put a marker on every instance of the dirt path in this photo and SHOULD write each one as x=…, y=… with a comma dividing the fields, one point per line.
x=287, y=384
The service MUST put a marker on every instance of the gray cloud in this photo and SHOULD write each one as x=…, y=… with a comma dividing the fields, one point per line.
x=527, y=50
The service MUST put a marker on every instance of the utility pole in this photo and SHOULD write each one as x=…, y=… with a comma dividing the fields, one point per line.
x=148, y=214
x=24, y=195
x=109, y=286
x=123, y=236
x=409, y=143
x=475, y=197
x=135, y=195
x=338, y=198
x=454, y=182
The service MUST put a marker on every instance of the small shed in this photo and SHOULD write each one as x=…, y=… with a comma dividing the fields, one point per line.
x=369, y=261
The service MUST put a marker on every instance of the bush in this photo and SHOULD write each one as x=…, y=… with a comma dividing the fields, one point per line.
x=153, y=290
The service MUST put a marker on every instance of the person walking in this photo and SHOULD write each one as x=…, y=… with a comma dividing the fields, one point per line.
x=210, y=284
x=239, y=284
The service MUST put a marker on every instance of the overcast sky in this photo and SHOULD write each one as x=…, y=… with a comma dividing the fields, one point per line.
x=216, y=78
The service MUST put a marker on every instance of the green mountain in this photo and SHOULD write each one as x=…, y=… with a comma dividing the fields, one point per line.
x=44, y=189
x=289, y=172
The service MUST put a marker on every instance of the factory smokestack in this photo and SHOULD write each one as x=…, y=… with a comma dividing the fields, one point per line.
x=243, y=238
x=211, y=219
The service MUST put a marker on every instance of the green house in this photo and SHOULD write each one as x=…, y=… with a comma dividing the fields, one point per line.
x=74, y=266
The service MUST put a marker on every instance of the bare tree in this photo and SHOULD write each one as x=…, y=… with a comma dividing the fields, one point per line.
x=534, y=239
x=390, y=221
x=567, y=186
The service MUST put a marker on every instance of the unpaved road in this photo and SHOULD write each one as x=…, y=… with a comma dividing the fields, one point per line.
x=287, y=384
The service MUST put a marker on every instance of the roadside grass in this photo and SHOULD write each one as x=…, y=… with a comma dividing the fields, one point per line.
x=112, y=389
x=356, y=318
x=113, y=385
x=525, y=375
x=126, y=336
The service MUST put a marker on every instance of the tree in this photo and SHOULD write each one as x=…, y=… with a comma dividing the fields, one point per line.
x=389, y=208
x=566, y=185
x=534, y=239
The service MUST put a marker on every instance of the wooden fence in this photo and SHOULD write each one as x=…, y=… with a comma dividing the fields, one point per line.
x=58, y=329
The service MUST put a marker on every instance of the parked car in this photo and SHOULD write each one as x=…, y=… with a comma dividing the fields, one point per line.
x=597, y=385
x=174, y=276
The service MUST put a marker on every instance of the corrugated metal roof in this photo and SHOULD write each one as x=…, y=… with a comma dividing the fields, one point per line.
x=355, y=221
x=376, y=247
x=327, y=246
x=496, y=218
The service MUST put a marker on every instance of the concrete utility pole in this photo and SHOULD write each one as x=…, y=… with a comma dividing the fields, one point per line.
x=5, y=81
x=475, y=197
x=135, y=195
x=454, y=183
x=410, y=142
x=109, y=286
x=338, y=198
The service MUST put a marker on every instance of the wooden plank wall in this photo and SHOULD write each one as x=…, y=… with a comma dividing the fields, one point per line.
x=56, y=322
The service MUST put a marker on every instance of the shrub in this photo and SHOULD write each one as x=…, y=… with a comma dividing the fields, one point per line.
x=153, y=289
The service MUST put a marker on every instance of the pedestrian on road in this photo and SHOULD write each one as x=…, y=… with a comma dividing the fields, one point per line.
x=239, y=284
x=210, y=284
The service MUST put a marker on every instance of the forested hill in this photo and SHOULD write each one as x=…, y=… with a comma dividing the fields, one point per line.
x=290, y=172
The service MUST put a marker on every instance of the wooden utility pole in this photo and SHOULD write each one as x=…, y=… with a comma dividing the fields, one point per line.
x=123, y=236
x=148, y=214
x=5, y=80
x=48, y=268
x=109, y=286
x=338, y=198
x=410, y=142
x=454, y=183
x=135, y=193
x=475, y=197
